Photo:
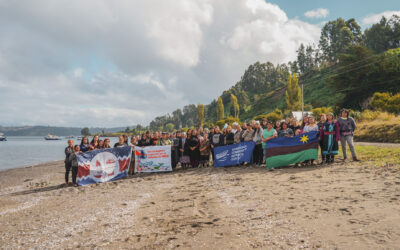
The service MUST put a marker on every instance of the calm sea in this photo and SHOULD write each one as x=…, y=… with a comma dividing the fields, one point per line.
x=20, y=151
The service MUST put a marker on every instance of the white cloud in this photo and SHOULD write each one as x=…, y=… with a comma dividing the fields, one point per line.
x=375, y=18
x=317, y=13
x=117, y=63
x=78, y=72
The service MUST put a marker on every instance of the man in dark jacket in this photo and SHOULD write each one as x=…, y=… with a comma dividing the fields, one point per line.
x=175, y=149
x=68, y=151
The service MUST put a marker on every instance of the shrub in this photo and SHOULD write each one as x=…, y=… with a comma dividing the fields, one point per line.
x=368, y=115
x=229, y=120
x=273, y=117
x=386, y=102
x=322, y=110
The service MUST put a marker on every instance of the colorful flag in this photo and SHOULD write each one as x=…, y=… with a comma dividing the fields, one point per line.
x=103, y=165
x=153, y=159
x=233, y=154
x=284, y=151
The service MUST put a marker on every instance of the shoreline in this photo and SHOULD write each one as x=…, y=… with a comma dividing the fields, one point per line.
x=32, y=166
x=344, y=205
x=370, y=144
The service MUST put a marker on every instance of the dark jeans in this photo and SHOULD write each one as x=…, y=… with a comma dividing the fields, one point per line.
x=74, y=173
x=67, y=170
x=258, y=154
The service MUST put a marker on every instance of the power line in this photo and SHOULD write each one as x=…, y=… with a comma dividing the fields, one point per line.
x=346, y=66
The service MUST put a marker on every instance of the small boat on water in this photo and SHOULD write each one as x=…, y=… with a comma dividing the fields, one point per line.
x=79, y=138
x=50, y=137
x=70, y=137
x=2, y=137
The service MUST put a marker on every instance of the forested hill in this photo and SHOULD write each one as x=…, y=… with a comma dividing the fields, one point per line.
x=344, y=70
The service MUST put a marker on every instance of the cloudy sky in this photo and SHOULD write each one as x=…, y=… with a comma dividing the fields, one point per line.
x=116, y=63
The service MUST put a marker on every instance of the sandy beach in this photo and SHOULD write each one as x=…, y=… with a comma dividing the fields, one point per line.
x=345, y=206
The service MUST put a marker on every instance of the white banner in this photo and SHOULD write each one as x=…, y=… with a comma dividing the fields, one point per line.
x=153, y=159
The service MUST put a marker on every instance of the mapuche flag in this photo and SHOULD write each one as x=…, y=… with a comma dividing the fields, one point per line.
x=284, y=151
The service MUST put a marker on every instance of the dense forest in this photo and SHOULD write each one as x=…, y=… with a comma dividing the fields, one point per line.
x=344, y=69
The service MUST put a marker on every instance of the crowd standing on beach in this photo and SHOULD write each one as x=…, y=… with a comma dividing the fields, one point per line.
x=195, y=147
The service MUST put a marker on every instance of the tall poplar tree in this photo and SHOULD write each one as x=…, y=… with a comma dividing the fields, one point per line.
x=200, y=113
x=220, y=109
x=293, y=93
x=235, y=105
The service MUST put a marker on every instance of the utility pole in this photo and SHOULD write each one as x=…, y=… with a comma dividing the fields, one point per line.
x=302, y=101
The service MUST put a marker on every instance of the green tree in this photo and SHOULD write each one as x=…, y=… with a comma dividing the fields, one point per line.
x=293, y=93
x=220, y=109
x=383, y=35
x=301, y=58
x=85, y=131
x=200, y=114
x=127, y=130
x=337, y=36
x=169, y=127
x=371, y=73
x=234, y=105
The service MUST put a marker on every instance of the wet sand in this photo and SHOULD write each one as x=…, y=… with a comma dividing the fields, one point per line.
x=345, y=206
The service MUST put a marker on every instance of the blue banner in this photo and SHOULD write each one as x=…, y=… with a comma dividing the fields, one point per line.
x=103, y=165
x=233, y=154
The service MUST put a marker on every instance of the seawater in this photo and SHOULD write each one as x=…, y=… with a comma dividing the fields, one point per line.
x=21, y=151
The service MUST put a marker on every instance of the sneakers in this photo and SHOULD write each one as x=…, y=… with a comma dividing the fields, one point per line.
x=355, y=159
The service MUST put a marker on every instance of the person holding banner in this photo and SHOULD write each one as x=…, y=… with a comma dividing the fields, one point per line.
x=85, y=146
x=95, y=142
x=164, y=140
x=69, y=150
x=237, y=137
x=230, y=136
x=101, y=144
x=311, y=126
x=74, y=163
x=132, y=165
x=268, y=134
x=121, y=142
x=248, y=132
x=107, y=143
x=286, y=131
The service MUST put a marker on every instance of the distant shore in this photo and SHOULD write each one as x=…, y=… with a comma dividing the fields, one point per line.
x=344, y=205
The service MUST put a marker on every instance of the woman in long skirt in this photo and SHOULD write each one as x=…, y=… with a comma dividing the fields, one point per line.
x=329, y=135
x=184, y=151
x=194, y=149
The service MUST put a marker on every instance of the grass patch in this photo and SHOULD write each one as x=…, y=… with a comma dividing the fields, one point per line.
x=386, y=128
x=379, y=156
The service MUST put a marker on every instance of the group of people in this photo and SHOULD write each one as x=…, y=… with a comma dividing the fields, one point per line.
x=195, y=147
